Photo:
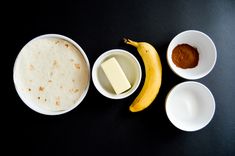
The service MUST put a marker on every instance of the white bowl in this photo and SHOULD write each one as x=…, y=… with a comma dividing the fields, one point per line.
x=206, y=49
x=130, y=67
x=190, y=106
x=84, y=74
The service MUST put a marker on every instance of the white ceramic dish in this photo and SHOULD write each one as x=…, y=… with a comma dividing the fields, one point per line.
x=206, y=49
x=129, y=65
x=190, y=106
x=81, y=77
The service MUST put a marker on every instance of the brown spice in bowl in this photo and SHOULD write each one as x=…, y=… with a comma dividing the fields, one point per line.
x=185, y=56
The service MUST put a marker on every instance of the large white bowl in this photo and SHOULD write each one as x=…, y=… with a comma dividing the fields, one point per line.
x=30, y=103
x=190, y=106
x=206, y=49
x=130, y=67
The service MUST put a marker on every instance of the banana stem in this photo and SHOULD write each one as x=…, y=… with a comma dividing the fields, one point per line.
x=133, y=43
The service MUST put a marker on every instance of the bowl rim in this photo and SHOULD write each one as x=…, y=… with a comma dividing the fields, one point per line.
x=211, y=96
x=201, y=75
x=47, y=112
x=102, y=57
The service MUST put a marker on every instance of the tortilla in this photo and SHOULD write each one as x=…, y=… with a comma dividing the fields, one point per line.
x=52, y=73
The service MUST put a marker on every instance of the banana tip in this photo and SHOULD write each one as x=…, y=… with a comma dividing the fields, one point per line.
x=125, y=40
x=128, y=41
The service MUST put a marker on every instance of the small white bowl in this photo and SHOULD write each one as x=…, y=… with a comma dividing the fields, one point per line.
x=206, y=49
x=85, y=76
x=190, y=106
x=130, y=67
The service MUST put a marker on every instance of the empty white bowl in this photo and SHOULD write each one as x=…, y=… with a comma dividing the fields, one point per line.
x=205, y=47
x=190, y=106
x=130, y=67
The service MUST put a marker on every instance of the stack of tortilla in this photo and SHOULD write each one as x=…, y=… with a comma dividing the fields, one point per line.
x=52, y=73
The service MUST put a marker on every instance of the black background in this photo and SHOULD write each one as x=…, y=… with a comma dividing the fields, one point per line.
x=101, y=126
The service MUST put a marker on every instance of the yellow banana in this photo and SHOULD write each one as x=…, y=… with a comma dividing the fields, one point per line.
x=153, y=75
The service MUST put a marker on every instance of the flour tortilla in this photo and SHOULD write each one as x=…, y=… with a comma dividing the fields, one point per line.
x=52, y=73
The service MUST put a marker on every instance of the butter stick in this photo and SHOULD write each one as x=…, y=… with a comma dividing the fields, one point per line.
x=115, y=75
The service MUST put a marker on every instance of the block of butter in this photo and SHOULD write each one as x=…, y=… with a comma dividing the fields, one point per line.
x=115, y=75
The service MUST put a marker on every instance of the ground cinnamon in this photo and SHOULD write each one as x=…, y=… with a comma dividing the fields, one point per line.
x=185, y=56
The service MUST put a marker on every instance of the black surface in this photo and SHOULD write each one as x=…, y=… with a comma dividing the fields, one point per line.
x=101, y=126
